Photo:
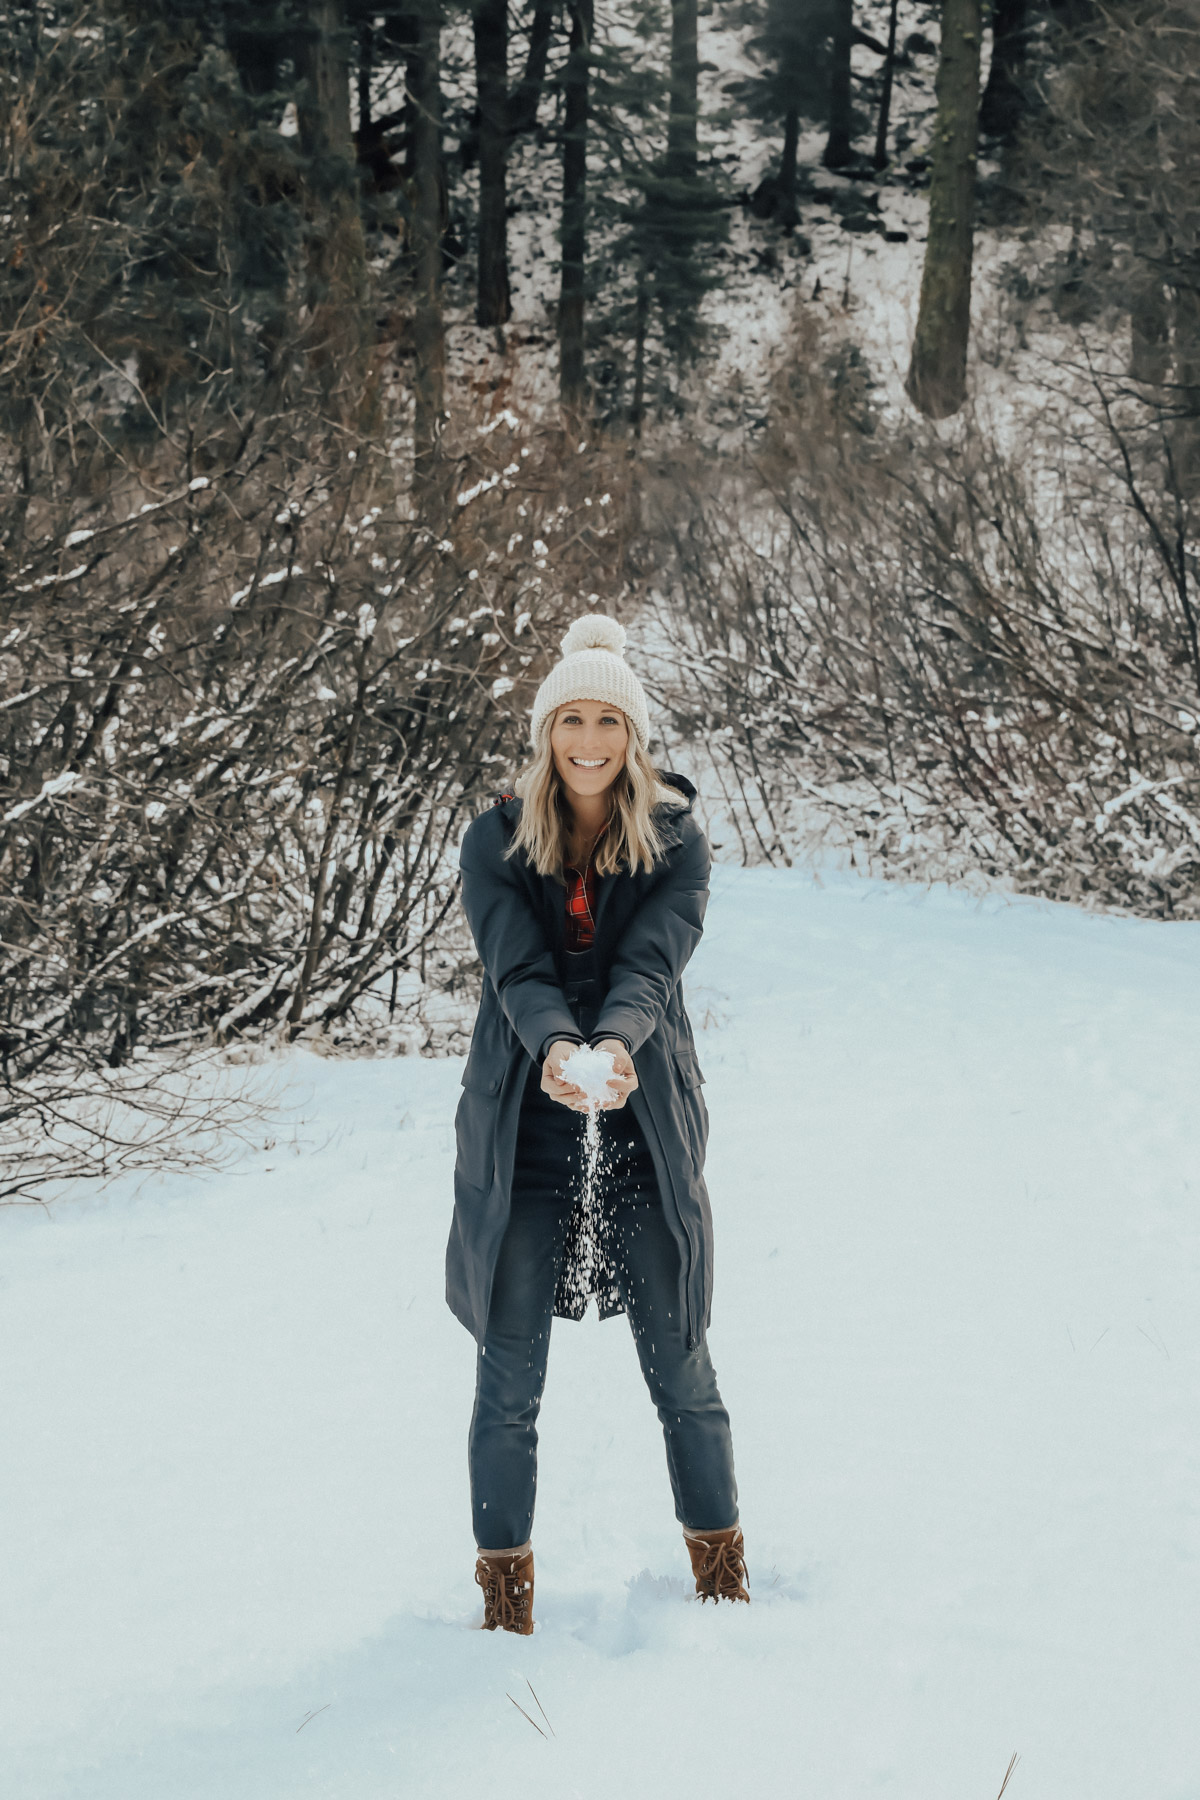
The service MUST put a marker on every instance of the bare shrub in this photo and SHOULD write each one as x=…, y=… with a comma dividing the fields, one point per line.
x=244, y=723
x=80, y=1120
x=968, y=651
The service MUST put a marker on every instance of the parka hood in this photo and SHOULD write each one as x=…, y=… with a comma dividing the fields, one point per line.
x=681, y=782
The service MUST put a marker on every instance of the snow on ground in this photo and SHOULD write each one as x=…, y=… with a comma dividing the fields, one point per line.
x=954, y=1171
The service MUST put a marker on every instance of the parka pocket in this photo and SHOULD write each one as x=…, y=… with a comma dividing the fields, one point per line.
x=689, y=1069
x=475, y=1135
x=477, y=1080
x=691, y=1103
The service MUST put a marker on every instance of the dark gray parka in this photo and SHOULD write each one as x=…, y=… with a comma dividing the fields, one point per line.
x=646, y=927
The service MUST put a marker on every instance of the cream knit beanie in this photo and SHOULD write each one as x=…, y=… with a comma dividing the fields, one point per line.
x=593, y=668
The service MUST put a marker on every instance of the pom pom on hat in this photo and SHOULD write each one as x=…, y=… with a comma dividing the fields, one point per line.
x=593, y=668
x=595, y=631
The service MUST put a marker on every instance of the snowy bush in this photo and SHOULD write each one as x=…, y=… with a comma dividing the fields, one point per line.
x=962, y=650
x=247, y=722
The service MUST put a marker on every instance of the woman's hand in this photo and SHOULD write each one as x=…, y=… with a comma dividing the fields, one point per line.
x=621, y=1083
x=552, y=1082
x=623, y=1080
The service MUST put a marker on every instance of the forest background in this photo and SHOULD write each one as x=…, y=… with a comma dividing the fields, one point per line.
x=848, y=349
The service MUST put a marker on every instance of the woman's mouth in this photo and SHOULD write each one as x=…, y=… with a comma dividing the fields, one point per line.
x=589, y=762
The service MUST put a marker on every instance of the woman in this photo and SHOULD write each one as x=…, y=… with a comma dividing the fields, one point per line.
x=586, y=898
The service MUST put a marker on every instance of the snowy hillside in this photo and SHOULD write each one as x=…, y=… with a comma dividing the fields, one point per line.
x=954, y=1161
x=851, y=282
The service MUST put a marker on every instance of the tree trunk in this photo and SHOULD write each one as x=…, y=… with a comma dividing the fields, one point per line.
x=523, y=108
x=366, y=60
x=641, y=324
x=412, y=82
x=1150, y=324
x=1185, y=396
x=683, y=104
x=337, y=283
x=937, y=375
x=429, y=341
x=885, y=98
x=323, y=67
x=786, y=211
x=572, y=385
x=493, y=301
x=837, y=149
x=1003, y=98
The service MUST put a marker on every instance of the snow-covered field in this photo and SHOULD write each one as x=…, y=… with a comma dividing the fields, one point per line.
x=954, y=1169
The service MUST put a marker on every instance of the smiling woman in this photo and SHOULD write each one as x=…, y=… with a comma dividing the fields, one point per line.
x=585, y=892
x=591, y=779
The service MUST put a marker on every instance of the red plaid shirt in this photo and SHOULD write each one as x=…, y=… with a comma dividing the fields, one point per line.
x=581, y=895
x=581, y=902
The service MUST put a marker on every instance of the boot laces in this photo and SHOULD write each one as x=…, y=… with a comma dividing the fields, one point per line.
x=722, y=1573
x=505, y=1596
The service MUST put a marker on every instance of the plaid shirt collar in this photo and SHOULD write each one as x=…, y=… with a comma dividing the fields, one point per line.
x=581, y=901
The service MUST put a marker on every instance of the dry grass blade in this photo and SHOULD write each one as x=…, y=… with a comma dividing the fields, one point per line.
x=540, y=1707
x=525, y=1715
x=1013, y=1760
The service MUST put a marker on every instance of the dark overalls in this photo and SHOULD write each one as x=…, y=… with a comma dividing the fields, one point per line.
x=539, y=1258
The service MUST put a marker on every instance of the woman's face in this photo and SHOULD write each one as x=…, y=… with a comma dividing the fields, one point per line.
x=589, y=742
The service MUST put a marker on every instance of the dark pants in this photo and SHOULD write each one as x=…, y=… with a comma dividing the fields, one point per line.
x=644, y=1258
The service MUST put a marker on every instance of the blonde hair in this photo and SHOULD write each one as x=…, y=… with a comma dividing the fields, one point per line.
x=631, y=842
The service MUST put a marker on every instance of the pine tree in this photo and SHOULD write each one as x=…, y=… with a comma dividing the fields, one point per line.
x=208, y=225
x=660, y=216
x=682, y=218
x=790, y=40
x=1003, y=100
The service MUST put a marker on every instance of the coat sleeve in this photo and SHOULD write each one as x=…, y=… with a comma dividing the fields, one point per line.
x=655, y=947
x=511, y=942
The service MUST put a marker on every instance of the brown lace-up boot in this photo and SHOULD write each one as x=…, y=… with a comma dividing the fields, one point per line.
x=506, y=1577
x=718, y=1563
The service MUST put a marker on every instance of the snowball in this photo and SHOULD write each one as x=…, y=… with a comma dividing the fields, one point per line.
x=590, y=1071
